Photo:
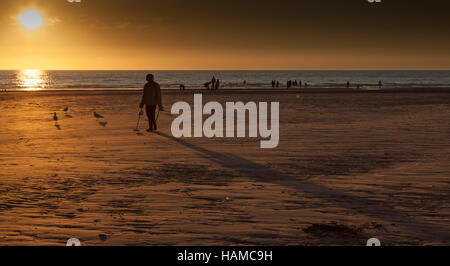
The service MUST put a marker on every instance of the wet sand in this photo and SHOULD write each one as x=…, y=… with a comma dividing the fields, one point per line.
x=350, y=166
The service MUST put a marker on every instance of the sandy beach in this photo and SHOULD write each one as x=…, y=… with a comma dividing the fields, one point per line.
x=349, y=167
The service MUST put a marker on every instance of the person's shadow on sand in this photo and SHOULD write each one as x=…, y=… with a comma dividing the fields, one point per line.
x=370, y=207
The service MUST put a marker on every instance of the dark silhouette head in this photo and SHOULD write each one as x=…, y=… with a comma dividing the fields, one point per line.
x=150, y=77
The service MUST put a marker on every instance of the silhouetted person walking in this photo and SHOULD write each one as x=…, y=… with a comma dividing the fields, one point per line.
x=182, y=87
x=380, y=84
x=348, y=84
x=151, y=98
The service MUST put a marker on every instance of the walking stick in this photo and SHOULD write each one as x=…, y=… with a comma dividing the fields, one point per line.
x=139, y=119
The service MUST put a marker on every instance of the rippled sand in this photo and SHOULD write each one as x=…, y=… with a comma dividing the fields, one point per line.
x=350, y=166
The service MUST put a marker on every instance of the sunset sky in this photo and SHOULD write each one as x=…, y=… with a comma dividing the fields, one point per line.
x=226, y=34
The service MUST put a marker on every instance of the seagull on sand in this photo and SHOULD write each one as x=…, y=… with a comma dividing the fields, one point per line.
x=103, y=124
x=96, y=115
x=55, y=117
x=66, y=109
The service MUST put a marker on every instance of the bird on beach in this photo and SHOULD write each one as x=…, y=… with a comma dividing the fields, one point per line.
x=96, y=115
x=66, y=109
x=103, y=124
x=55, y=118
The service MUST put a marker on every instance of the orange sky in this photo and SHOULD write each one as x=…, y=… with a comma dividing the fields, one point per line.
x=215, y=34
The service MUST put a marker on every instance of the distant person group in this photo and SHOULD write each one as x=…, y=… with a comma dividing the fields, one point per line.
x=300, y=84
x=289, y=84
x=214, y=84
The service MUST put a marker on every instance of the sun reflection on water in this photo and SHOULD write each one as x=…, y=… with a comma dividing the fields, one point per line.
x=32, y=79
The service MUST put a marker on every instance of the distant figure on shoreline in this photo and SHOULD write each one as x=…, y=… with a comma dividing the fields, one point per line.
x=273, y=83
x=245, y=83
x=300, y=83
x=151, y=98
x=380, y=84
x=278, y=84
x=348, y=84
x=217, y=84
x=182, y=87
x=213, y=82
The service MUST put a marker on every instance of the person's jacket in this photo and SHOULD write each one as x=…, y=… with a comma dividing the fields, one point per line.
x=152, y=94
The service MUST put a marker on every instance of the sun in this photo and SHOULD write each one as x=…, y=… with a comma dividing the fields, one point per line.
x=31, y=19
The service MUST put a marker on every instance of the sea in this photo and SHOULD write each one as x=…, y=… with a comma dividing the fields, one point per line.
x=34, y=79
